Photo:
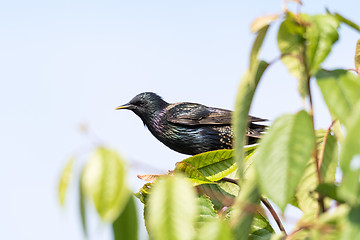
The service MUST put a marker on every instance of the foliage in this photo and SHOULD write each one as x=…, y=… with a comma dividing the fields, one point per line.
x=218, y=195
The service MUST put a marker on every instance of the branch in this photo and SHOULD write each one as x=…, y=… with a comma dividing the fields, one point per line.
x=302, y=59
x=273, y=214
x=315, y=152
x=267, y=205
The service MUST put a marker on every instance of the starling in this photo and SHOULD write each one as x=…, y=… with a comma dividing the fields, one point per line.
x=189, y=128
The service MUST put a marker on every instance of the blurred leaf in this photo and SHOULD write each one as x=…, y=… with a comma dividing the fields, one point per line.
x=263, y=21
x=329, y=190
x=320, y=36
x=329, y=225
x=352, y=225
x=222, y=194
x=171, y=209
x=277, y=236
x=357, y=56
x=341, y=91
x=330, y=154
x=261, y=229
x=350, y=160
x=65, y=179
x=208, y=167
x=338, y=131
x=206, y=211
x=257, y=45
x=245, y=207
x=125, y=226
x=216, y=229
x=261, y=26
x=305, y=41
x=306, y=195
x=291, y=43
x=103, y=180
x=249, y=160
x=82, y=208
x=282, y=156
x=244, y=97
x=347, y=22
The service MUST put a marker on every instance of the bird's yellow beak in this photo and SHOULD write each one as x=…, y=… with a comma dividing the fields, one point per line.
x=125, y=106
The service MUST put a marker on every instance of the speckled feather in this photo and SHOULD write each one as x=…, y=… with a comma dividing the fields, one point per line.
x=189, y=128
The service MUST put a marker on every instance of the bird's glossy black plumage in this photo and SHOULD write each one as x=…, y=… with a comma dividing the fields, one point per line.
x=189, y=128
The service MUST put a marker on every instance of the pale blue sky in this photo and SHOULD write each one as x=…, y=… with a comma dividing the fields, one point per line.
x=64, y=63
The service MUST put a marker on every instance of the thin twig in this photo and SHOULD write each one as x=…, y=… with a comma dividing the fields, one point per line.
x=280, y=57
x=267, y=205
x=273, y=214
x=230, y=180
x=315, y=152
x=311, y=113
x=302, y=59
x=321, y=158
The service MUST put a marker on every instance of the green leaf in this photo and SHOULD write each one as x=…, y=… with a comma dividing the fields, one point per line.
x=278, y=236
x=216, y=229
x=125, y=226
x=305, y=41
x=245, y=207
x=291, y=43
x=103, y=180
x=206, y=211
x=65, y=179
x=261, y=229
x=352, y=225
x=320, y=36
x=328, y=153
x=357, y=56
x=82, y=208
x=222, y=194
x=244, y=97
x=341, y=91
x=261, y=33
x=208, y=167
x=282, y=156
x=263, y=21
x=144, y=192
x=347, y=22
x=306, y=195
x=329, y=225
x=329, y=190
x=350, y=160
x=171, y=209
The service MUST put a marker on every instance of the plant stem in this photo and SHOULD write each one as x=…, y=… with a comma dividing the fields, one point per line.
x=267, y=205
x=273, y=214
x=311, y=113
x=315, y=152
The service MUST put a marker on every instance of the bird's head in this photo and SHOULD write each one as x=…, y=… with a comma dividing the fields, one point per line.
x=145, y=105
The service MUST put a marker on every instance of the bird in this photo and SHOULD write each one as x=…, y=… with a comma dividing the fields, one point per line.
x=189, y=128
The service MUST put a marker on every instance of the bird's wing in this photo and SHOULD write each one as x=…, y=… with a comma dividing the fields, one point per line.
x=256, y=119
x=197, y=114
